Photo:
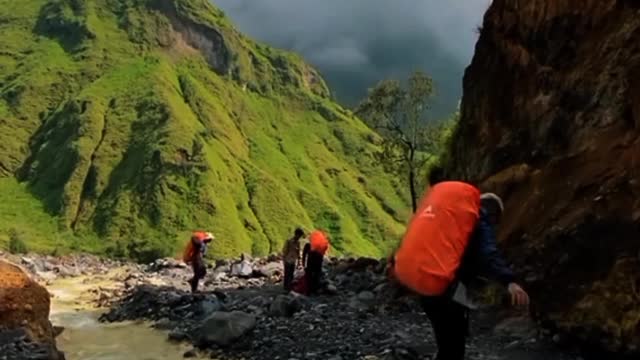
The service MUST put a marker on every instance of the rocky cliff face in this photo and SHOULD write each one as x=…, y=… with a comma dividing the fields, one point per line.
x=25, y=330
x=551, y=121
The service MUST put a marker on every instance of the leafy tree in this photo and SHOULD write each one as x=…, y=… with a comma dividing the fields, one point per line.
x=447, y=130
x=409, y=141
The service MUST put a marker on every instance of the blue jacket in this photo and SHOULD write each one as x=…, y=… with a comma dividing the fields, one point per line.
x=482, y=256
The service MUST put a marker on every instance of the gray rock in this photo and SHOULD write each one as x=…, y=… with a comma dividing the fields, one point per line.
x=66, y=271
x=270, y=269
x=517, y=327
x=31, y=264
x=242, y=269
x=331, y=289
x=190, y=354
x=284, y=306
x=131, y=283
x=366, y=296
x=365, y=300
x=177, y=335
x=13, y=335
x=558, y=339
x=208, y=305
x=167, y=263
x=223, y=328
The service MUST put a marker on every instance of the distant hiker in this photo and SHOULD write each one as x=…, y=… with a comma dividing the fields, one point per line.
x=313, y=257
x=450, y=240
x=194, y=255
x=291, y=257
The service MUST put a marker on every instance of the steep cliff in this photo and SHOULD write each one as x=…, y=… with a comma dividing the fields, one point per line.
x=130, y=122
x=551, y=121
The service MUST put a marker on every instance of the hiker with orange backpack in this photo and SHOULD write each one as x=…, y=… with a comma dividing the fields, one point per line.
x=450, y=240
x=313, y=257
x=194, y=255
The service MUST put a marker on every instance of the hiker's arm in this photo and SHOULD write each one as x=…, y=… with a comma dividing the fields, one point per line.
x=489, y=255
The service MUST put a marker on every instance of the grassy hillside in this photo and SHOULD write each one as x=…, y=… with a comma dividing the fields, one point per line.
x=134, y=121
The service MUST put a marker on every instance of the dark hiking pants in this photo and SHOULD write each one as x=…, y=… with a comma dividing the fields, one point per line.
x=199, y=272
x=450, y=323
x=289, y=270
x=314, y=270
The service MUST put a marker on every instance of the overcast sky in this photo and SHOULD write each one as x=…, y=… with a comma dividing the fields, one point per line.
x=356, y=43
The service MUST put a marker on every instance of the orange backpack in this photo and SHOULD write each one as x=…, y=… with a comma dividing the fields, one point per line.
x=436, y=238
x=319, y=242
x=190, y=250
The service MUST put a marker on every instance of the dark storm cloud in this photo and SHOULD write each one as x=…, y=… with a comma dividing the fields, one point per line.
x=356, y=43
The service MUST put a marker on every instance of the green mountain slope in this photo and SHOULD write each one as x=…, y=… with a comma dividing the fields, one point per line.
x=135, y=121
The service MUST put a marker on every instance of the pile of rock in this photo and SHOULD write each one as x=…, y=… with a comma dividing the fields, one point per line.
x=47, y=268
x=16, y=344
x=243, y=312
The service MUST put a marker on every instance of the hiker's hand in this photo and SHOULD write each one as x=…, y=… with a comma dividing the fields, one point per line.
x=519, y=297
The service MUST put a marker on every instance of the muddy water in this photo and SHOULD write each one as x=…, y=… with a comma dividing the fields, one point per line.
x=84, y=338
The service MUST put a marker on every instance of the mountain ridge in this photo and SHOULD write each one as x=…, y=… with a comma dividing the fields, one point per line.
x=133, y=121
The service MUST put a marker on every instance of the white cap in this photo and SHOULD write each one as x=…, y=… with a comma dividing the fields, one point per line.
x=493, y=197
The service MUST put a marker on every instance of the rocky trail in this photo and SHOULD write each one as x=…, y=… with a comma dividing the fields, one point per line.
x=243, y=313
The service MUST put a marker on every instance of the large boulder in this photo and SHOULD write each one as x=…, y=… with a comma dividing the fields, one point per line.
x=242, y=268
x=550, y=120
x=207, y=306
x=24, y=307
x=270, y=269
x=285, y=306
x=223, y=328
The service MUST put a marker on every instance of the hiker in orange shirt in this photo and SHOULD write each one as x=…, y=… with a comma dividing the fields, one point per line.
x=451, y=239
x=194, y=254
x=313, y=257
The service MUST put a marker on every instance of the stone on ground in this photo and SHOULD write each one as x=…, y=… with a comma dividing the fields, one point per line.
x=242, y=269
x=223, y=328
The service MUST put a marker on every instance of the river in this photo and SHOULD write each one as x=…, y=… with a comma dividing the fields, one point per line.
x=85, y=338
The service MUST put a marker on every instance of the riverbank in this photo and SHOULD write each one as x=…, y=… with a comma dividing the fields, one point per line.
x=360, y=316
x=86, y=338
